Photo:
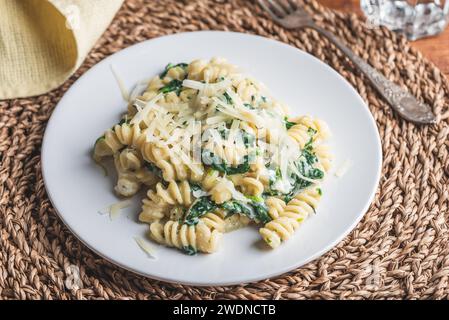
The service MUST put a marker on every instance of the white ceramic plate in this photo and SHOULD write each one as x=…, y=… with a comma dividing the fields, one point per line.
x=78, y=188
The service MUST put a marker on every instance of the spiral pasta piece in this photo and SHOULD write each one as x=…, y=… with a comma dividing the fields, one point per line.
x=321, y=128
x=275, y=206
x=171, y=164
x=170, y=98
x=245, y=88
x=187, y=95
x=299, y=133
x=159, y=202
x=214, y=221
x=129, y=160
x=298, y=209
x=218, y=187
x=198, y=237
x=127, y=185
x=146, y=177
x=278, y=230
x=127, y=182
x=303, y=205
x=175, y=193
x=131, y=173
x=210, y=179
x=176, y=73
x=130, y=135
x=228, y=223
x=324, y=156
x=195, y=69
x=210, y=71
x=236, y=222
x=119, y=136
x=213, y=72
x=172, y=170
x=153, y=209
x=251, y=186
x=153, y=152
x=107, y=145
x=155, y=84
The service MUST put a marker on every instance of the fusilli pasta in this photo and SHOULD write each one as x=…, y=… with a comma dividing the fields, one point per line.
x=175, y=193
x=216, y=152
x=278, y=230
x=276, y=207
x=303, y=205
x=188, y=238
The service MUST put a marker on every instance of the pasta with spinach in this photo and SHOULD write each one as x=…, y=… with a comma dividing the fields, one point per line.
x=216, y=152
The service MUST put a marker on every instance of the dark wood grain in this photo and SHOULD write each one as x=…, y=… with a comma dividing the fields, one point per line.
x=435, y=48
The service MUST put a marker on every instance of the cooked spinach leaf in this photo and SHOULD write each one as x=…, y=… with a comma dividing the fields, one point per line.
x=210, y=159
x=170, y=66
x=189, y=250
x=248, y=139
x=224, y=133
x=308, y=171
x=174, y=85
x=311, y=132
x=199, y=208
x=228, y=98
x=229, y=170
x=153, y=169
x=233, y=206
x=124, y=120
x=261, y=211
x=288, y=124
x=299, y=185
x=99, y=139
x=305, y=167
x=307, y=152
x=197, y=190
x=254, y=210
x=195, y=186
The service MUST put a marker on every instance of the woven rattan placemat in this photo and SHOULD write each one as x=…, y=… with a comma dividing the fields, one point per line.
x=399, y=250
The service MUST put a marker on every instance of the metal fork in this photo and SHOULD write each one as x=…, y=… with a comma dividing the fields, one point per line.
x=290, y=16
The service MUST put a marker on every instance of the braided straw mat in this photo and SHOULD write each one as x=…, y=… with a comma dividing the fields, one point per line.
x=399, y=250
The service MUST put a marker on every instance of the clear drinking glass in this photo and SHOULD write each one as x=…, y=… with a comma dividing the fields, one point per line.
x=414, y=18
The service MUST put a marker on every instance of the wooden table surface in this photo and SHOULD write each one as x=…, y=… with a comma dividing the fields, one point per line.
x=435, y=48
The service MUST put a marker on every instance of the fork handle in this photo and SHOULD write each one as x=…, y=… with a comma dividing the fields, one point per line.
x=399, y=99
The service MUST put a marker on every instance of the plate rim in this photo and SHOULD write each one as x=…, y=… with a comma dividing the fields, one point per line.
x=255, y=278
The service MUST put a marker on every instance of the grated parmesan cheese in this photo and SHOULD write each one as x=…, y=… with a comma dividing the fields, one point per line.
x=121, y=85
x=137, y=90
x=141, y=115
x=147, y=248
x=114, y=209
x=341, y=171
x=216, y=119
x=207, y=89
